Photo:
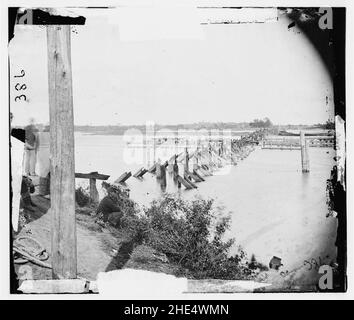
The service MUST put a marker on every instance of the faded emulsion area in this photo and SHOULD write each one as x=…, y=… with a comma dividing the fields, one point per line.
x=330, y=45
x=39, y=17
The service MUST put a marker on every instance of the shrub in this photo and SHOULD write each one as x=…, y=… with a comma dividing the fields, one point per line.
x=122, y=200
x=82, y=197
x=189, y=234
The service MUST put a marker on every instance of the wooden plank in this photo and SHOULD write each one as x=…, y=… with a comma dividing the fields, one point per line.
x=186, y=177
x=198, y=175
x=184, y=182
x=140, y=172
x=92, y=175
x=205, y=172
x=124, y=177
x=152, y=168
x=194, y=177
x=62, y=166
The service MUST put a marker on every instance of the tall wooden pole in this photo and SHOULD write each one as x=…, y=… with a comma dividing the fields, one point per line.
x=163, y=182
x=62, y=166
x=304, y=153
x=186, y=161
x=175, y=169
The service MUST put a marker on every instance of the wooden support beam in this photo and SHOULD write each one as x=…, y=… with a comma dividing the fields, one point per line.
x=193, y=176
x=187, y=178
x=305, y=163
x=204, y=171
x=62, y=166
x=140, y=173
x=184, y=182
x=152, y=168
x=92, y=175
x=124, y=177
x=198, y=175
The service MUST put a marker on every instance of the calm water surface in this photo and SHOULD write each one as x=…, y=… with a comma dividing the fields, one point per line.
x=275, y=208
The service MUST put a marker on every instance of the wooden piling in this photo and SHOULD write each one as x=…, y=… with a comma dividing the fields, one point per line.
x=186, y=160
x=186, y=182
x=123, y=177
x=195, y=177
x=140, y=173
x=93, y=191
x=175, y=169
x=163, y=182
x=195, y=172
x=152, y=169
x=62, y=165
x=304, y=153
x=158, y=169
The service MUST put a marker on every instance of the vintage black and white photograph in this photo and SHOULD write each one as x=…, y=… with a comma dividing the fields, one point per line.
x=171, y=148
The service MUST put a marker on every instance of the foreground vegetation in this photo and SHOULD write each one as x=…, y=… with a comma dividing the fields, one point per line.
x=190, y=234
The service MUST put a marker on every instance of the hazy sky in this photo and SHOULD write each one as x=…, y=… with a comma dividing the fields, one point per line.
x=236, y=73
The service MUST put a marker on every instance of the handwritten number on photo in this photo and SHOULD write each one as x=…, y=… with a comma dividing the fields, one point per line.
x=19, y=87
x=22, y=74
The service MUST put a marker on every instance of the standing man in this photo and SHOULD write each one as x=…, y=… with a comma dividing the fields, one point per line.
x=31, y=144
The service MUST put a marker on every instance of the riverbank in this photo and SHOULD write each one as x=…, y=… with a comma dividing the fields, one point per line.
x=99, y=248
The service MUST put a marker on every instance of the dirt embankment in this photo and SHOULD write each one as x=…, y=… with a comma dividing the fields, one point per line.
x=99, y=248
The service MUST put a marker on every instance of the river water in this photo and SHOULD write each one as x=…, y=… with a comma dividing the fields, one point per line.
x=276, y=210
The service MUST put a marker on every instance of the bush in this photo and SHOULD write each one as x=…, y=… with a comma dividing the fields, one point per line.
x=189, y=234
x=82, y=197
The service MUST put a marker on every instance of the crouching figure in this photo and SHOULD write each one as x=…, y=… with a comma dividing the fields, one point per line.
x=109, y=210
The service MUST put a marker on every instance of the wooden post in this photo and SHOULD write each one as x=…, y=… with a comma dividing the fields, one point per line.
x=175, y=169
x=209, y=149
x=62, y=166
x=123, y=177
x=158, y=169
x=93, y=191
x=186, y=160
x=221, y=144
x=197, y=155
x=304, y=153
x=163, y=177
x=154, y=146
x=93, y=177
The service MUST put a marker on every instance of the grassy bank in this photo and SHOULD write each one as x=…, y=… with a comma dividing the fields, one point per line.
x=186, y=235
x=171, y=235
